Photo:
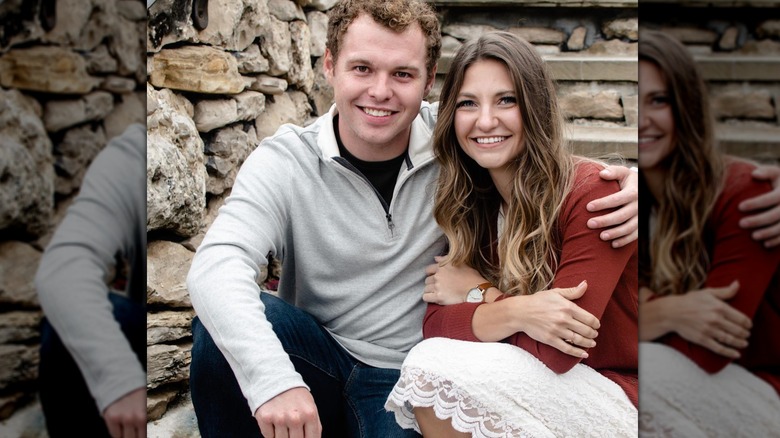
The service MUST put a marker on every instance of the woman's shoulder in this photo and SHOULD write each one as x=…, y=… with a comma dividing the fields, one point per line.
x=738, y=181
x=587, y=179
x=738, y=185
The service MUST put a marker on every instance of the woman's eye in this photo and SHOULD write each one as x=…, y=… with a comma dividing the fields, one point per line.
x=659, y=100
x=507, y=100
x=465, y=103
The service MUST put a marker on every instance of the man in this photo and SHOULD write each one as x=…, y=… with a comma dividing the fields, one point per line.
x=93, y=340
x=346, y=205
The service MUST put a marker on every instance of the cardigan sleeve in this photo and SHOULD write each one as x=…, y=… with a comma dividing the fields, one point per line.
x=735, y=256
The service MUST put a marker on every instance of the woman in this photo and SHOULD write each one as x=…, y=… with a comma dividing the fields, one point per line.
x=705, y=282
x=511, y=201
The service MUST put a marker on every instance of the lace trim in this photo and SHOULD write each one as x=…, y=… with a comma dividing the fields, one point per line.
x=421, y=389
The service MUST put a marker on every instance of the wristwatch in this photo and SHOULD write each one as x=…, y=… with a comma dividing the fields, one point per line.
x=477, y=294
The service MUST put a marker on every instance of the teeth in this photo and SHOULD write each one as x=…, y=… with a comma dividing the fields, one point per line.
x=376, y=113
x=646, y=139
x=489, y=140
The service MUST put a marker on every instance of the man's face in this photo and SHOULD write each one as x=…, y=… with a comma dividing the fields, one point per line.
x=379, y=81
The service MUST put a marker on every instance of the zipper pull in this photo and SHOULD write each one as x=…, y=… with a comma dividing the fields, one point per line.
x=390, y=223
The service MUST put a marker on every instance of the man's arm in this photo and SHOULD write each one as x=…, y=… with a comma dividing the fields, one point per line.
x=622, y=224
x=222, y=278
x=71, y=280
x=766, y=220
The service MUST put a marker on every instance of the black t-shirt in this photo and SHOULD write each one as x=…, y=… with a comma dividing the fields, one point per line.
x=381, y=174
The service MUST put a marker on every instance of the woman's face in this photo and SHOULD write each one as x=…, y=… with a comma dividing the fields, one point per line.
x=487, y=116
x=656, y=120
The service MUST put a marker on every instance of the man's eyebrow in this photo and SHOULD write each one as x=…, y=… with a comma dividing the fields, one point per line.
x=362, y=61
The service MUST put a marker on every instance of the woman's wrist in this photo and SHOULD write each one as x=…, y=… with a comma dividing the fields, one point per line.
x=657, y=318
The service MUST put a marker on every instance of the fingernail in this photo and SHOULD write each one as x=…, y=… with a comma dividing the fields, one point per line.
x=584, y=355
x=593, y=223
x=590, y=207
x=605, y=236
x=583, y=282
x=744, y=223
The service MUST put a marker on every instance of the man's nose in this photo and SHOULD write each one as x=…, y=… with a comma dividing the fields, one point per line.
x=381, y=88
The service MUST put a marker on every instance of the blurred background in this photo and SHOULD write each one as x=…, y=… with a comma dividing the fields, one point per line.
x=71, y=78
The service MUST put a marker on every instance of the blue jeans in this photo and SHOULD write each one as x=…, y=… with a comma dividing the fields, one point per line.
x=66, y=401
x=349, y=394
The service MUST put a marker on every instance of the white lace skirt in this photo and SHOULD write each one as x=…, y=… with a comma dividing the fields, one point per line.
x=499, y=390
x=680, y=399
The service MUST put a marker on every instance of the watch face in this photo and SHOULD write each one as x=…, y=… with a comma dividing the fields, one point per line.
x=474, y=296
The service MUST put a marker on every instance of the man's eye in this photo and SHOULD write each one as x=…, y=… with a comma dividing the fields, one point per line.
x=403, y=74
x=362, y=69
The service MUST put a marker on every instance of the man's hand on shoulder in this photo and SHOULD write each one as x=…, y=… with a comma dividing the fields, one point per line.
x=765, y=222
x=622, y=224
x=292, y=413
x=126, y=417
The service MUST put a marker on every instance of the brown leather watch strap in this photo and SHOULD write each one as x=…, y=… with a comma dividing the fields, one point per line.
x=484, y=287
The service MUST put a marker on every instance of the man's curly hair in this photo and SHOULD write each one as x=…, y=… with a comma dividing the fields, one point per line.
x=395, y=15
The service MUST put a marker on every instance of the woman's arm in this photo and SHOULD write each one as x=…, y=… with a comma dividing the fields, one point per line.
x=549, y=317
x=735, y=256
x=701, y=316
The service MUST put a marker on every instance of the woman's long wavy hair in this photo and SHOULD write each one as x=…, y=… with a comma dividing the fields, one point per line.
x=467, y=202
x=675, y=261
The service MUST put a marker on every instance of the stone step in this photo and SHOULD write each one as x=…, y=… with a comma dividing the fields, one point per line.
x=540, y=3
x=596, y=141
x=718, y=67
x=758, y=142
x=575, y=67
x=717, y=3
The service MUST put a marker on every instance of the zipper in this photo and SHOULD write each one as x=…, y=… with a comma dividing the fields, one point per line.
x=389, y=216
x=390, y=225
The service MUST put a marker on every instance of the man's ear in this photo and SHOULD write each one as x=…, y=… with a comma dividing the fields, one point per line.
x=431, y=80
x=328, y=65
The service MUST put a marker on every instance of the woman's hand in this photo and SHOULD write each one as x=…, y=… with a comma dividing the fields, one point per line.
x=448, y=284
x=622, y=225
x=552, y=318
x=705, y=318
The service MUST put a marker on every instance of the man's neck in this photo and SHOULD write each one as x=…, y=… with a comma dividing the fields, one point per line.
x=367, y=152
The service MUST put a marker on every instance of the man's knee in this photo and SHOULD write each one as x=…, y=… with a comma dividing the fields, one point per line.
x=203, y=347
